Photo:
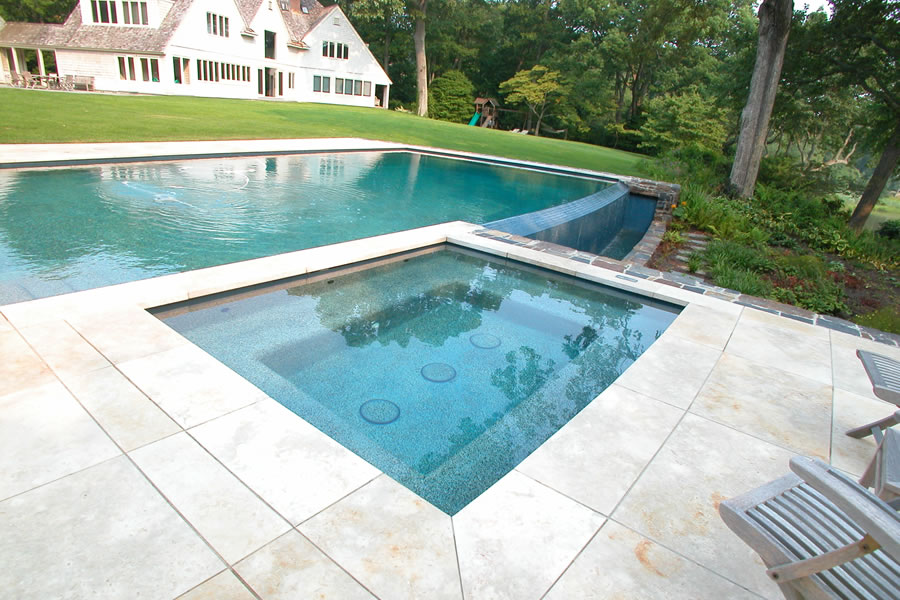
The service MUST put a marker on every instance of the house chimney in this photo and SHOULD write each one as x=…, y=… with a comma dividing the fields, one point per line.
x=295, y=6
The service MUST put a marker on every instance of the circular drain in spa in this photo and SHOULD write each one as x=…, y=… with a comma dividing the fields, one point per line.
x=485, y=340
x=379, y=412
x=438, y=372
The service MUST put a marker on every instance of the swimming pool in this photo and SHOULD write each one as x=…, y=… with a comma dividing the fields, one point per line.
x=443, y=367
x=64, y=230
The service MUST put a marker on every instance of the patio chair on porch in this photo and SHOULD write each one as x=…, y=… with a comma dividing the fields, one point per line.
x=820, y=534
x=884, y=373
x=67, y=82
x=30, y=81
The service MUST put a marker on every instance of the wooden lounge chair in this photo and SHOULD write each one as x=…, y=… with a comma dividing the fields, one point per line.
x=884, y=373
x=821, y=534
x=883, y=473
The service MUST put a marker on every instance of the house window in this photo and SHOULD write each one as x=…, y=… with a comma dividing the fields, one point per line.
x=317, y=83
x=348, y=86
x=134, y=13
x=326, y=85
x=357, y=88
x=336, y=50
x=145, y=69
x=122, y=73
x=281, y=83
x=131, y=68
x=290, y=81
x=216, y=24
x=104, y=11
x=262, y=88
x=270, y=44
x=367, y=88
x=338, y=85
x=180, y=69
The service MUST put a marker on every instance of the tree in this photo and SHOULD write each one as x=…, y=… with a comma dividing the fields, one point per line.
x=860, y=46
x=451, y=97
x=774, y=26
x=688, y=118
x=538, y=88
x=36, y=11
x=417, y=10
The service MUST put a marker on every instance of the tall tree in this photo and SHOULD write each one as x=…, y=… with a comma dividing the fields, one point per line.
x=774, y=26
x=417, y=9
x=860, y=45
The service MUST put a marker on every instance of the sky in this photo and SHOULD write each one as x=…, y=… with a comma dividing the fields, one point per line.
x=813, y=5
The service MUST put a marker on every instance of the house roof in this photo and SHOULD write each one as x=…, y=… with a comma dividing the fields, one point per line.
x=75, y=34
x=486, y=101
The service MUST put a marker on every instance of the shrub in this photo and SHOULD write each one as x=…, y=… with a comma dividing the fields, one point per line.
x=742, y=280
x=451, y=97
x=722, y=253
x=890, y=229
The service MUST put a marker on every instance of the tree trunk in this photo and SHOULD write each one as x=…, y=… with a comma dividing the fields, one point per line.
x=886, y=165
x=774, y=26
x=421, y=67
x=540, y=117
x=387, y=48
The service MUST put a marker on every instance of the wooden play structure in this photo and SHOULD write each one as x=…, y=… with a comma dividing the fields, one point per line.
x=486, y=112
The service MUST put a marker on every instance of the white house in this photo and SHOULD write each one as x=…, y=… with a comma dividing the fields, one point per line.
x=281, y=49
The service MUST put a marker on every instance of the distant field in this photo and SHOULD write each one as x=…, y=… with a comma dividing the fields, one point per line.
x=887, y=209
x=33, y=116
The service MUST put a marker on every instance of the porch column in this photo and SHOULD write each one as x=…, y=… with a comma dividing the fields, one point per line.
x=40, y=57
x=387, y=95
x=15, y=61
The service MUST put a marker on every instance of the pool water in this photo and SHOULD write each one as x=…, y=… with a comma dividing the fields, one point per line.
x=444, y=369
x=63, y=230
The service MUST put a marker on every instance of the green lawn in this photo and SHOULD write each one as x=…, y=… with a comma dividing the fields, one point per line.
x=33, y=116
x=887, y=209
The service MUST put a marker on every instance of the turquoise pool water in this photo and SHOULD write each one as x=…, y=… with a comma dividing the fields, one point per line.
x=444, y=369
x=63, y=230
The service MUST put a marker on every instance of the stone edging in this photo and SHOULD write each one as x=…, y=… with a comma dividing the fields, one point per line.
x=635, y=268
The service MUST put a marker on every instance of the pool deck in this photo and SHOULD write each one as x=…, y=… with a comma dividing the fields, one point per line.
x=133, y=464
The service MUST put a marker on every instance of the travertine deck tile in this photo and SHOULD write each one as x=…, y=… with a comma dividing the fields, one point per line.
x=704, y=325
x=189, y=385
x=101, y=533
x=675, y=501
x=291, y=567
x=597, y=455
x=621, y=563
x=389, y=539
x=672, y=370
x=516, y=539
x=768, y=403
x=20, y=367
x=126, y=335
x=63, y=349
x=44, y=435
x=294, y=467
x=129, y=417
x=227, y=514
x=224, y=586
x=788, y=345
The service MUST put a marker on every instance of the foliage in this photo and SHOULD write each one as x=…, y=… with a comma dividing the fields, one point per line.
x=36, y=11
x=886, y=318
x=684, y=119
x=538, y=88
x=673, y=237
x=452, y=96
x=890, y=229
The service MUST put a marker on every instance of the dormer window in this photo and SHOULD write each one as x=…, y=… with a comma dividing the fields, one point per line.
x=134, y=13
x=304, y=9
x=216, y=24
x=337, y=21
x=104, y=11
x=335, y=50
